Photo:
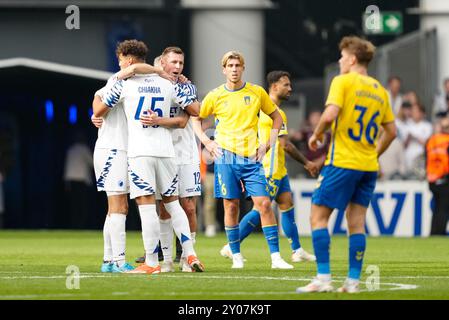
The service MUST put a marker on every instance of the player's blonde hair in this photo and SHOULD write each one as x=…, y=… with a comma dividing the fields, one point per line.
x=232, y=55
x=157, y=61
x=361, y=48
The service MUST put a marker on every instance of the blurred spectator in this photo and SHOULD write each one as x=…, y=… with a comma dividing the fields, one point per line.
x=394, y=93
x=300, y=138
x=418, y=130
x=437, y=165
x=441, y=101
x=392, y=162
x=78, y=178
x=402, y=119
x=411, y=97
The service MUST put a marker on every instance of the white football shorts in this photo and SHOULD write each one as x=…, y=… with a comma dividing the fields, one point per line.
x=148, y=174
x=111, y=171
x=189, y=181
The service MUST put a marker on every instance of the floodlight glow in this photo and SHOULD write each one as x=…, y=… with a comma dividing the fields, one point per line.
x=73, y=110
x=49, y=110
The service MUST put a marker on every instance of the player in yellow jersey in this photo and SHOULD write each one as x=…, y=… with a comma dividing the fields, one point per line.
x=356, y=109
x=279, y=89
x=236, y=106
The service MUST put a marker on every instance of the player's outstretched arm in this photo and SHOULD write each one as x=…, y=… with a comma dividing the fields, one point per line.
x=193, y=109
x=110, y=96
x=99, y=109
x=143, y=68
x=209, y=144
x=266, y=145
x=151, y=119
x=327, y=118
x=312, y=167
x=386, y=138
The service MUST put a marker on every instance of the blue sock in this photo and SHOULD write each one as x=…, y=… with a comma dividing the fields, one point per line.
x=357, y=246
x=233, y=238
x=289, y=227
x=272, y=235
x=249, y=222
x=321, y=244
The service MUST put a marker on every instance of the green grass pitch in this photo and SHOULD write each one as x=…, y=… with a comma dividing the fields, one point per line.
x=33, y=266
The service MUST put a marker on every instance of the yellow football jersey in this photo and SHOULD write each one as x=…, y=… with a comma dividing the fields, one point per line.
x=364, y=107
x=274, y=160
x=236, y=116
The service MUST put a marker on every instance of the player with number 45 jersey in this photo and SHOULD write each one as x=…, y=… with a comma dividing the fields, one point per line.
x=151, y=158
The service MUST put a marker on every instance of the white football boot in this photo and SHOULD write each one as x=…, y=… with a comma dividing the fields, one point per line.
x=317, y=285
x=302, y=255
x=350, y=286
x=237, y=261
x=279, y=263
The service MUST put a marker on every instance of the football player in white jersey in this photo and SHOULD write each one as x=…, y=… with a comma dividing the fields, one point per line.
x=151, y=154
x=187, y=158
x=111, y=164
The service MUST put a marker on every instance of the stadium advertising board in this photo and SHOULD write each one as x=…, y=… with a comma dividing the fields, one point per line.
x=398, y=208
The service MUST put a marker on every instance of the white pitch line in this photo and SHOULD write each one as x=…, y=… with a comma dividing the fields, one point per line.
x=395, y=286
x=97, y=275
x=40, y=296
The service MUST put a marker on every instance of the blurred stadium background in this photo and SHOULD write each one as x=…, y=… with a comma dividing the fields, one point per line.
x=48, y=75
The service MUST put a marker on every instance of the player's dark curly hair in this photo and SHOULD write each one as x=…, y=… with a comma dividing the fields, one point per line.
x=361, y=48
x=134, y=48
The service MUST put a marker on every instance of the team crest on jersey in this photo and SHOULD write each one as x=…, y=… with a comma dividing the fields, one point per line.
x=247, y=100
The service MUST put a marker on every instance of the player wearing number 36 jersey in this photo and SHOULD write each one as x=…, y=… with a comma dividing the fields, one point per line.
x=362, y=122
x=364, y=107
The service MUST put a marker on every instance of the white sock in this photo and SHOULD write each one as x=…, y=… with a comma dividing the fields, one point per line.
x=150, y=233
x=181, y=226
x=117, y=229
x=167, y=239
x=107, y=248
x=193, y=235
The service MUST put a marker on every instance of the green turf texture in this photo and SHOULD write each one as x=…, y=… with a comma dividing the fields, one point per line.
x=33, y=266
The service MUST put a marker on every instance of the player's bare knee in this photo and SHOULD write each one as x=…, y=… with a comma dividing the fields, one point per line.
x=318, y=221
x=118, y=204
x=190, y=211
x=163, y=214
x=356, y=226
x=264, y=207
x=232, y=208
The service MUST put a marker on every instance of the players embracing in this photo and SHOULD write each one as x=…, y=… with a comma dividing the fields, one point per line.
x=151, y=154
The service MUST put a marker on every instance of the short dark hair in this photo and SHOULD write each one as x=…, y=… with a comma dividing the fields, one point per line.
x=391, y=78
x=173, y=49
x=134, y=48
x=275, y=76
